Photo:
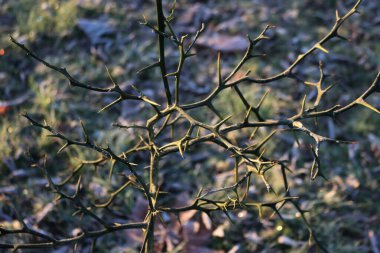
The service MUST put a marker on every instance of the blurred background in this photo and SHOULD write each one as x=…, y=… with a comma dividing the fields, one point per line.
x=86, y=35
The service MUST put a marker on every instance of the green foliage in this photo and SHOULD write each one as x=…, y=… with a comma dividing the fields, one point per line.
x=48, y=17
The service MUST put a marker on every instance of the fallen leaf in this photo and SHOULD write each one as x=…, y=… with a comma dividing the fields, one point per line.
x=186, y=216
x=223, y=42
x=352, y=181
x=219, y=231
x=206, y=221
x=234, y=249
x=195, y=15
x=288, y=241
x=96, y=30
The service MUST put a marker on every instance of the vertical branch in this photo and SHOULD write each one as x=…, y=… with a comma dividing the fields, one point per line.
x=178, y=73
x=153, y=179
x=161, y=48
x=153, y=173
x=153, y=168
x=148, y=246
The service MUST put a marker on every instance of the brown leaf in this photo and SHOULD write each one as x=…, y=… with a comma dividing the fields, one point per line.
x=195, y=15
x=288, y=241
x=206, y=221
x=186, y=216
x=223, y=42
x=219, y=231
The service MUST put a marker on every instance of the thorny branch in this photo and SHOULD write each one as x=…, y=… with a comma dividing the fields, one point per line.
x=251, y=158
